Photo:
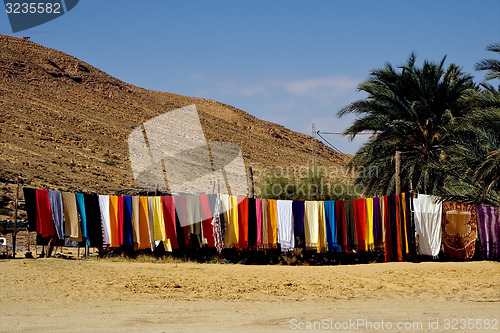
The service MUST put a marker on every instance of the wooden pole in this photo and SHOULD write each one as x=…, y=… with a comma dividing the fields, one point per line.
x=252, y=189
x=14, y=235
x=398, y=172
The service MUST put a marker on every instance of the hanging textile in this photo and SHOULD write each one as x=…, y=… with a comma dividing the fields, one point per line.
x=459, y=229
x=322, y=246
x=159, y=223
x=119, y=222
x=273, y=223
x=243, y=222
x=72, y=227
x=298, y=222
x=400, y=227
x=136, y=233
x=217, y=226
x=410, y=226
x=194, y=220
x=30, y=206
x=378, y=227
x=285, y=225
x=113, y=221
x=144, y=241
x=265, y=223
x=488, y=225
x=252, y=223
x=388, y=250
x=94, y=223
x=80, y=205
x=427, y=211
x=127, y=221
x=340, y=225
x=258, y=217
x=104, y=208
x=151, y=223
x=311, y=224
x=181, y=221
x=168, y=205
x=331, y=226
x=370, y=239
x=352, y=243
x=206, y=221
x=45, y=221
x=360, y=222
x=56, y=206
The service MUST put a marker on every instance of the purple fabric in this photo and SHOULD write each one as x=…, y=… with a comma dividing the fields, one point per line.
x=488, y=223
x=377, y=222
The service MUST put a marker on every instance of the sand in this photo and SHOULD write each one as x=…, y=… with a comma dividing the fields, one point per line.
x=60, y=295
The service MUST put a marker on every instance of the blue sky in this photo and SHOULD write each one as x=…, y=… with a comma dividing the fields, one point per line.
x=293, y=62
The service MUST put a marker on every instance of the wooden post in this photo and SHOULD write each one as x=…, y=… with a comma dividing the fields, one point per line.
x=14, y=235
x=252, y=189
x=398, y=172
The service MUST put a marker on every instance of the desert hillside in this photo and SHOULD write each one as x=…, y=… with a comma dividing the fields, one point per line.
x=64, y=124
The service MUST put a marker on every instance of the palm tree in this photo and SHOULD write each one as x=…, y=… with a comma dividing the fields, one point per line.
x=492, y=66
x=408, y=109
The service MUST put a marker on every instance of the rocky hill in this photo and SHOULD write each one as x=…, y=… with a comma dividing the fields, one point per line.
x=64, y=125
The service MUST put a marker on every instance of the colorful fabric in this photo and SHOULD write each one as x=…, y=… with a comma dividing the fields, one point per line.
x=340, y=225
x=273, y=224
x=265, y=223
x=351, y=238
x=44, y=218
x=243, y=222
x=80, y=204
x=370, y=239
x=360, y=222
x=285, y=225
x=136, y=233
x=56, y=206
x=113, y=220
x=72, y=227
x=127, y=221
x=298, y=222
x=322, y=245
x=331, y=226
x=181, y=221
x=459, y=228
x=194, y=220
x=258, y=217
x=488, y=225
x=217, y=227
x=151, y=223
x=311, y=224
x=119, y=222
x=206, y=221
x=252, y=223
x=427, y=212
x=378, y=226
x=144, y=241
x=168, y=205
x=160, y=233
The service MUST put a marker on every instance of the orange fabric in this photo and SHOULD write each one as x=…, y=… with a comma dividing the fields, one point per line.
x=272, y=231
x=144, y=242
x=113, y=220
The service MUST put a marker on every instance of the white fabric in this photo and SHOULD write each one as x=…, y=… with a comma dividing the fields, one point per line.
x=106, y=223
x=428, y=223
x=285, y=225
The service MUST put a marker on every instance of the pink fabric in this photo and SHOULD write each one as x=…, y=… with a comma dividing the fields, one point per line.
x=258, y=212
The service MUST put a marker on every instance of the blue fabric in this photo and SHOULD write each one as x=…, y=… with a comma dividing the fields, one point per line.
x=55, y=198
x=127, y=221
x=80, y=204
x=331, y=230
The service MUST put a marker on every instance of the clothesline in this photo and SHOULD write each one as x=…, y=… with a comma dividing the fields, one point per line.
x=192, y=221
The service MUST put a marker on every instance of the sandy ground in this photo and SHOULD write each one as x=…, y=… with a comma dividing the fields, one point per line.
x=92, y=295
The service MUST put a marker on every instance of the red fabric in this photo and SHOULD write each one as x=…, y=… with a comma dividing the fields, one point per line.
x=243, y=222
x=398, y=226
x=206, y=220
x=360, y=221
x=44, y=219
x=387, y=224
x=168, y=205
x=119, y=222
x=341, y=226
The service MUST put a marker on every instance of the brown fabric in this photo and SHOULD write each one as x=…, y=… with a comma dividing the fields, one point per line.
x=72, y=226
x=459, y=230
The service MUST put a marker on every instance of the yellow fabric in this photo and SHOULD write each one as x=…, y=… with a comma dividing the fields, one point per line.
x=159, y=223
x=321, y=227
x=272, y=230
x=311, y=224
x=72, y=225
x=235, y=230
x=265, y=223
x=143, y=242
x=113, y=220
x=370, y=241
